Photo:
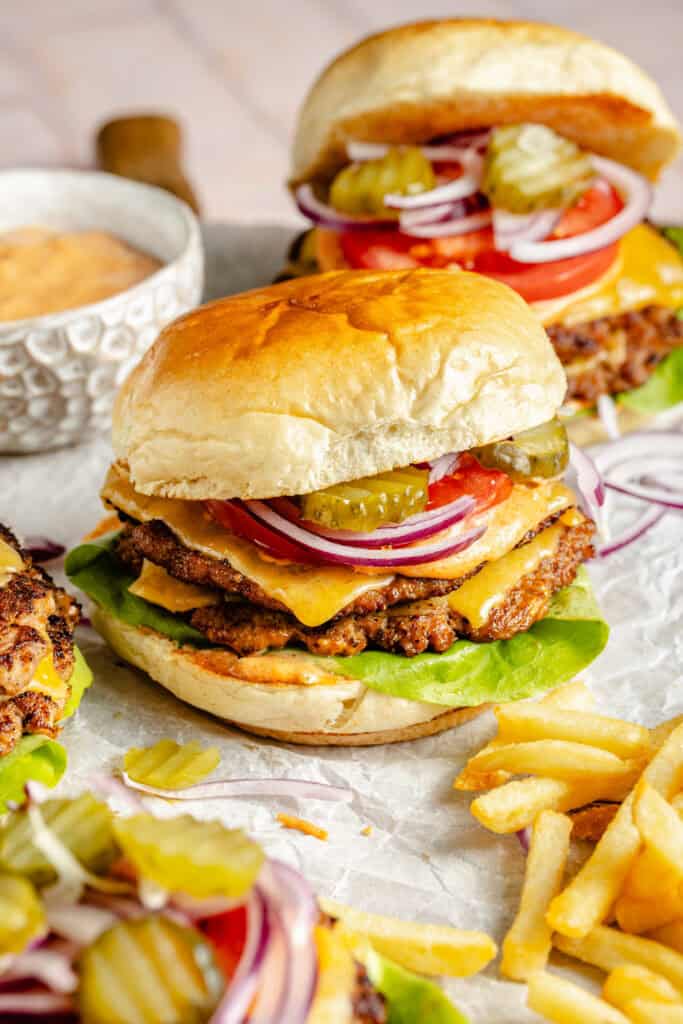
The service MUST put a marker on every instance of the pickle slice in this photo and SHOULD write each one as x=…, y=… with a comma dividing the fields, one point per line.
x=360, y=188
x=148, y=971
x=530, y=167
x=540, y=452
x=21, y=914
x=83, y=825
x=367, y=503
x=199, y=858
x=170, y=765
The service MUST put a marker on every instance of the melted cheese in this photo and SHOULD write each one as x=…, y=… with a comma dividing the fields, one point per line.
x=47, y=680
x=11, y=562
x=157, y=586
x=476, y=599
x=648, y=271
x=314, y=594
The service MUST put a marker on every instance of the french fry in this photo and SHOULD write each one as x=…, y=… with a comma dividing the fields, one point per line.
x=563, y=1002
x=661, y=829
x=516, y=804
x=520, y=723
x=555, y=759
x=637, y=916
x=677, y=804
x=609, y=948
x=472, y=780
x=573, y=696
x=645, y=881
x=588, y=897
x=527, y=944
x=423, y=948
x=631, y=981
x=670, y=935
x=649, y=1011
x=660, y=734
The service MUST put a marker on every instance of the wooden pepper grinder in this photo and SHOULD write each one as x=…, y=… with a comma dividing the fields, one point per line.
x=145, y=147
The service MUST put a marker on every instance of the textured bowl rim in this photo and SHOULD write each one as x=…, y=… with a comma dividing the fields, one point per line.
x=178, y=207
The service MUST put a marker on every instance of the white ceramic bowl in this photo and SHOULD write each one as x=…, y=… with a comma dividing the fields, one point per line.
x=59, y=373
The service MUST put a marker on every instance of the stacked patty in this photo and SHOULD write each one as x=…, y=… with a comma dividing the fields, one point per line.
x=37, y=621
x=615, y=353
x=408, y=616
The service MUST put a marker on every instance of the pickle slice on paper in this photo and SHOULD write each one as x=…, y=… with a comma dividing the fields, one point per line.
x=170, y=765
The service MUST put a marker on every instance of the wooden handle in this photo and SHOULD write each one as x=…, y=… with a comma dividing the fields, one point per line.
x=146, y=148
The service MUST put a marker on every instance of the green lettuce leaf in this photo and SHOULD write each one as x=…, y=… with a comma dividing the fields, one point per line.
x=570, y=636
x=94, y=569
x=410, y=998
x=662, y=390
x=675, y=236
x=37, y=758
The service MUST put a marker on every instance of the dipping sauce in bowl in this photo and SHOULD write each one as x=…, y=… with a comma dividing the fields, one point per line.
x=43, y=271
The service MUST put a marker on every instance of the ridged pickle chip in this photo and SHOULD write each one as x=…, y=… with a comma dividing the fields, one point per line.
x=199, y=858
x=170, y=765
x=360, y=188
x=148, y=971
x=21, y=914
x=365, y=504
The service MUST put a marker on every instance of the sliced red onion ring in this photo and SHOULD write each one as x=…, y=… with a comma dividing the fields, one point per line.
x=240, y=992
x=329, y=551
x=638, y=197
x=510, y=228
x=201, y=909
x=321, y=213
x=42, y=549
x=298, y=789
x=633, y=533
x=276, y=971
x=607, y=411
x=443, y=466
x=460, y=188
x=50, y=967
x=417, y=527
x=35, y=1003
x=629, y=464
x=588, y=483
x=79, y=923
x=524, y=836
x=451, y=228
x=429, y=215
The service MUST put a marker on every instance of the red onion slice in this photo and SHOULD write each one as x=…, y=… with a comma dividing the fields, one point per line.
x=36, y=1003
x=452, y=228
x=51, y=967
x=276, y=972
x=443, y=466
x=524, y=836
x=77, y=922
x=240, y=992
x=638, y=197
x=429, y=215
x=297, y=789
x=450, y=192
x=329, y=551
x=629, y=464
x=42, y=549
x=589, y=484
x=510, y=228
x=633, y=533
x=607, y=411
x=327, y=216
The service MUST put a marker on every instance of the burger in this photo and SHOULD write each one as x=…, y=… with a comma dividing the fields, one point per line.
x=521, y=151
x=339, y=512
x=42, y=673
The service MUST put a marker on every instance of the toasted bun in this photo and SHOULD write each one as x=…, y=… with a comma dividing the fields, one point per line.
x=326, y=379
x=419, y=81
x=286, y=698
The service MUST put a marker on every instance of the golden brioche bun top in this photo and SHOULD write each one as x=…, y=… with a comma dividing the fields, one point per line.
x=416, y=82
x=325, y=379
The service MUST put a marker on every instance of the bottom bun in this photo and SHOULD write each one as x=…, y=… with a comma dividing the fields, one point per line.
x=286, y=697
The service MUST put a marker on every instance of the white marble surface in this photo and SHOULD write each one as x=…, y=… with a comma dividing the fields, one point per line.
x=235, y=73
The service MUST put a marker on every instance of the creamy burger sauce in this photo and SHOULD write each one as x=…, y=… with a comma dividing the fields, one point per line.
x=45, y=272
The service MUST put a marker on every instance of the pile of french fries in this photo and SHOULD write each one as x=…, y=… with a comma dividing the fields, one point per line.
x=623, y=910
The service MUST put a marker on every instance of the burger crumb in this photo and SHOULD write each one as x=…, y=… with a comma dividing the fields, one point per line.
x=367, y=831
x=301, y=825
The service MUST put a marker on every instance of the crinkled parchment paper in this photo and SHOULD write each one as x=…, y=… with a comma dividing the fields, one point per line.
x=426, y=857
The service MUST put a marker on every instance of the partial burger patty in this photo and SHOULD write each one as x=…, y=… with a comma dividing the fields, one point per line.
x=36, y=618
x=408, y=626
x=620, y=352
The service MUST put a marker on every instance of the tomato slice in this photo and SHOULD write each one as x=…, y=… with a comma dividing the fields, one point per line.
x=238, y=521
x=392, y=250
x=227, y=933
x=487, y=486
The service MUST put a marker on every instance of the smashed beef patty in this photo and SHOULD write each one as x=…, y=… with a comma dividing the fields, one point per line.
x=36, y=619
x=408, y=630
x=620, y=352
